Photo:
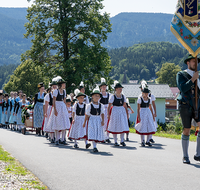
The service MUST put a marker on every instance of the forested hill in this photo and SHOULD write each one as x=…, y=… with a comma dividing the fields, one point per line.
x=127, y=29
x=133, y=28
x=142, y=61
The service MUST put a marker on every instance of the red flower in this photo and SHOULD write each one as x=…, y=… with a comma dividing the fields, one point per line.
x=195, y=24
x=181, y=30
x=185, y=37
x=181, y=34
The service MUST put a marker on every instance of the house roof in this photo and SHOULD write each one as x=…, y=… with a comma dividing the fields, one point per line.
x=158, y=90
x=175, y=91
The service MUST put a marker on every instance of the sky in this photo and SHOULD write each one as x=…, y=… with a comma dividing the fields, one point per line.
x=115, y=7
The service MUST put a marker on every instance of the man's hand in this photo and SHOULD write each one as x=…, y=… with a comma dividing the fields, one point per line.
x=195, y=76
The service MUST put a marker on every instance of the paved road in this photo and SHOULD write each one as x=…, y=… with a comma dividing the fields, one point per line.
x=131, y=167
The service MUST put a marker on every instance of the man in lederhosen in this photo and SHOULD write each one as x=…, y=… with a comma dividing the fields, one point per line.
x=186, y=84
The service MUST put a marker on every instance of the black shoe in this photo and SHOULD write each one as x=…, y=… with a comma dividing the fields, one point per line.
x=52, y=141
x=148, y=143
x=65, y=143
x=152, y=141
x=143, y=144
x=76, y=146
x=186, y=160
x=95, y=150
x=108, y=140
x=197, y=158
x=70, y=139
x=123, y=143
x=116, y=144
x=57, y=143
x=103, y=142
x=47, y=135
x=127, y=139
x=88, y=146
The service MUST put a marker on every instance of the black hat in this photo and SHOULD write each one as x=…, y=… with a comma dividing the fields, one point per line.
x=118, y=85
x=1, y=93
x=41, y=84
x=96, y=92
x=61, y=81
x=6, y=95
x=190, y=56
x=68, y=100
x=103, y=82
x=145, y=90
x=80, y=94
x=53, y=83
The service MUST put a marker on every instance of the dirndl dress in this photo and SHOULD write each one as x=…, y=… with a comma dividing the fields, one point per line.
x=61, y=121
x=77, y=131
x=19, y=111
x=18, y=116
x=147, y=125
x=3, y=117
x=1, y=104
x=11, y=119
x=95, y=129
x=118, y=122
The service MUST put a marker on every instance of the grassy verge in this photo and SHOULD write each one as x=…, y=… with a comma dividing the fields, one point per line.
x=169, y=135
x=15, y=168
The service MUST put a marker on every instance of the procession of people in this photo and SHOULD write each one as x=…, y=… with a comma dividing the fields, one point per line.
x=61, y=117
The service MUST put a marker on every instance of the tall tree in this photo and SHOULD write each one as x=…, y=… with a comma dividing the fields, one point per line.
x=26, y=78
x=167, y=74
x=66, y=39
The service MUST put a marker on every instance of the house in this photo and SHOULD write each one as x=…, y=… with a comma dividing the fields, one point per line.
x=160, y=91
x=171, y=103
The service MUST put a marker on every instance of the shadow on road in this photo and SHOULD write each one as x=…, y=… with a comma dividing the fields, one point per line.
x=124, y=147
x=195, y=165
x=155, y=146
x=101, y=153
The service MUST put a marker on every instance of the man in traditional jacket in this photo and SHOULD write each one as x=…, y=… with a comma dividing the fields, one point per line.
x=186, y=84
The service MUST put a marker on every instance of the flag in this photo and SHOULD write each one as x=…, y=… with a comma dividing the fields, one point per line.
x=185, y=25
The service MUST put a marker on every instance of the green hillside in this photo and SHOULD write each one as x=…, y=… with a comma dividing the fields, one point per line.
x=142, y=61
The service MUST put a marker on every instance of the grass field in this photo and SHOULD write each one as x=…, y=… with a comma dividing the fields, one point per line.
x=168, y=135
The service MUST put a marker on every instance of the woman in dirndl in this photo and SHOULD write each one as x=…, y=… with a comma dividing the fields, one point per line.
x=104, y=100
x=5, y=108
x=95, y=114
x=38, y=116
x=77, y=131
x=12, y=106
x=118, y=115
x=48, y=100
x=59, y=119
x=145, y=124
x=1, y=105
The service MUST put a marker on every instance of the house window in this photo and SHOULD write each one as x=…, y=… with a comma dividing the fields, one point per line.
x=131, y=100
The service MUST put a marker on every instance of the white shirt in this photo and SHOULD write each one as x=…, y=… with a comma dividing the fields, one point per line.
x=139, y=101
x=55, y=93
x=111, y=98
x=88, y=108
x=86, y=100
x=69, y=109
x=191, y=73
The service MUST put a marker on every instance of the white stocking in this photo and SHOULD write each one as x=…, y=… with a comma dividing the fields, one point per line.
x=63, y=134
x=75, y=142
x=94, y=144
x=86, y=142
x=142, y=138
x=115, y=138
x=122, y=137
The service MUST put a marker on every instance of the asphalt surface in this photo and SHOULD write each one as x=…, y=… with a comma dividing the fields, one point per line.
x=132, y=167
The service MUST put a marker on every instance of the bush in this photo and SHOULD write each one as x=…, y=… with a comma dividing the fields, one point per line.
x=178, y=124
x=163, y=125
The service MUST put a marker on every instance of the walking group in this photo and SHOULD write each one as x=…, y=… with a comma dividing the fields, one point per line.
x=75, y=117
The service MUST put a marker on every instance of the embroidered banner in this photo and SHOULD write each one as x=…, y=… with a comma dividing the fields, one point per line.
x=185, y=25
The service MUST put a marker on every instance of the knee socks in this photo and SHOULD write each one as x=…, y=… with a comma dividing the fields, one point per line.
x=86, y=142
x=57, y=134
x=94, y=144
x=185, y=145
x=122, y=137
x=198, y=144
x=142, y=138
x=148, y=138
x=115, y=138
x=63, y=135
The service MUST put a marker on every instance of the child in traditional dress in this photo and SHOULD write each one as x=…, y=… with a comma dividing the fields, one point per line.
x=17, y=116
x=145, y=124
x=1, y=105
x=118, y=115
x=48, y=99
x=38, y=108
x=59, y=119
x=95, y=114
x=104, y=100
x=9, y=108
x=77, y=131
x=69, y=109
x=21, y=104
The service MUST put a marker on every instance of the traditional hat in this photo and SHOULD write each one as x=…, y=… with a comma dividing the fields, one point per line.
x=60, y=80
x=103, y=82
x=76, y=91
x=80, y=94
x=1, y=93
x=81, y=85
x=96, y=91
x=145, y=90
x=117, y=85
x=54, y=81
x=189, y=58
x=143, y=84
x=6, y=95
x=41, y=84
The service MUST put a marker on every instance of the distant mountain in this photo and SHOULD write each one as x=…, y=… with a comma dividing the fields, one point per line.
x=133, y=28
